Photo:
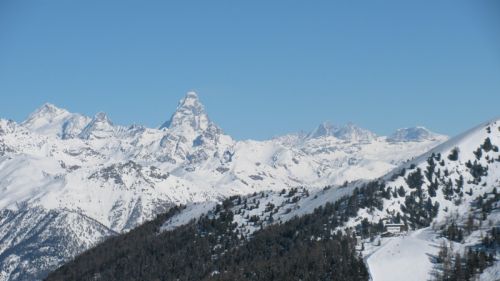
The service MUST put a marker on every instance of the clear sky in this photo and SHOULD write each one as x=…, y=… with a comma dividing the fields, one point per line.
x=262, y=68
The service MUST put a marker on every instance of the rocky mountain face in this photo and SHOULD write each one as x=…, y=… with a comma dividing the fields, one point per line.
x=71, y=181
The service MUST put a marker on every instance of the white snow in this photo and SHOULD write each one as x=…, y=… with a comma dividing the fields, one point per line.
x=404, y=258
x=491, y=273
x=191, y=212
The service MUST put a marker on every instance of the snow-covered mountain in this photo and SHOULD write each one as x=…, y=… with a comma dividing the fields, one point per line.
x=445, y=203
x=71, y=181
x=50, y=120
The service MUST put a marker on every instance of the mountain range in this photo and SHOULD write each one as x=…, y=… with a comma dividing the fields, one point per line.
x=68, y=181
x=435, y=217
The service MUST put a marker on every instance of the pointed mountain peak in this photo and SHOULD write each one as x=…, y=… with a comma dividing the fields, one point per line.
x=102, y=117
x=191, y=102
x=324, y=129
x=418, y=133
x=190, y=114
x=354, y=133
x=50, y=120
x=100, y=127
x=47, y=111
x=49, y=107
x=191, y=95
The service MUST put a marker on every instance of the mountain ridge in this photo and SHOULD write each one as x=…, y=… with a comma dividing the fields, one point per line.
x=121, y=177
x=191, y=108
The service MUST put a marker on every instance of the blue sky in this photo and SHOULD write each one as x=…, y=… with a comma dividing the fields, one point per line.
x=261, y=68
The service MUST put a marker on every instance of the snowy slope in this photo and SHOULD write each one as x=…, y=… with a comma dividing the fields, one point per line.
x=405, y=258
x=410, y=256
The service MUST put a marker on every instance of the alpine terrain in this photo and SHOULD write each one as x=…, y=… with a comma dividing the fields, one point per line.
x=68, y=182
x=435, y=217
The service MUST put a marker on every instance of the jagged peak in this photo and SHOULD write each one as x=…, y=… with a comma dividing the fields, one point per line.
x=348, y=132
x=7, y=126
x=191, y=95
x=190, y=113
x=100, y=127
x=324, y=129
x=102, y=117
x=352, y=132
x=49, y=107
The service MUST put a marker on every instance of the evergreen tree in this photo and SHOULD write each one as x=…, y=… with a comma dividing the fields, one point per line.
x=478, y=153
x=487, y=145
x=401, y=191
x=458, y=273
x=433, y=186
x=430, y=168
x=415, y=179
x=453, y=154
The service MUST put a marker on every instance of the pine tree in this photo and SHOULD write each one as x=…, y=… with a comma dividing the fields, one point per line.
x=448, y=190
x=430, y=168
x=478, y=153
x=460, y=182
x=444, y=257
x=415, y=179
x=487, y=145
x=469, y=225
x=458, y=271
x=433, y=186
x=401, y=191
x=454, y=154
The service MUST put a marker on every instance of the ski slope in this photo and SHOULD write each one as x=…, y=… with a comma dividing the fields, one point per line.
x=404, y=258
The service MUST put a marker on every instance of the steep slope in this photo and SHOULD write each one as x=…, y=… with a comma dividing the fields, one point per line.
x=453, y=189
x=114, y=178
x=294, y=250
x=34, y=240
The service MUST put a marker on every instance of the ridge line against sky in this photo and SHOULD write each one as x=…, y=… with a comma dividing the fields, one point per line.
x=261, y=69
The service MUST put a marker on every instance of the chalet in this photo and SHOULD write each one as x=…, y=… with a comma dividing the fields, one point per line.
x=392, y=229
